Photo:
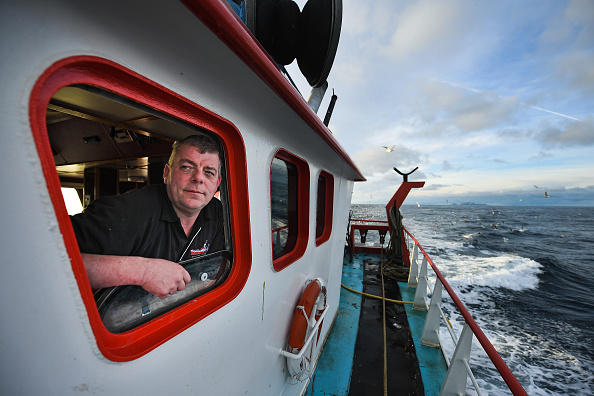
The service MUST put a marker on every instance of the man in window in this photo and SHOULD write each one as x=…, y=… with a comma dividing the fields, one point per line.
x=137, y=238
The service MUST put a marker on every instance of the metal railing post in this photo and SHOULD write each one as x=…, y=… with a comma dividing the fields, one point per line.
x=455, y=382
x=464, y=348
x=430, y=335
x=420, y=301
x=414, y=268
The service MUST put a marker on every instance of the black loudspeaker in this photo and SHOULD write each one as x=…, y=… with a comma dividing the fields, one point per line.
x=311, y=36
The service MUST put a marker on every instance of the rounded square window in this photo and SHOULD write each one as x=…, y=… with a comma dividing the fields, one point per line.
x=324, y=207
x=289, y=201
x=104, y=130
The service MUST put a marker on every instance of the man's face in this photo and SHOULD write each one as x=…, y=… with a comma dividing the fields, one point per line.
x=192, y=180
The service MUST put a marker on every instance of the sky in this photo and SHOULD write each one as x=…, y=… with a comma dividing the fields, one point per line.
x=493, y=101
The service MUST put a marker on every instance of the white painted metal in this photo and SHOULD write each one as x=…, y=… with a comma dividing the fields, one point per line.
x=414, y=267
x=316, y=96
x=420, y=301
x=455, y=382
x=48, y=346
x=430, y=335
x=314, y=330
x=300, y=366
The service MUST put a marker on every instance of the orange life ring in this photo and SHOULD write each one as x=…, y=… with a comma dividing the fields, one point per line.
x=314, y=293
x=302, y=312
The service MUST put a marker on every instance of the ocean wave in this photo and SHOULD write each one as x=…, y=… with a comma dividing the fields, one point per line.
x=507, y=271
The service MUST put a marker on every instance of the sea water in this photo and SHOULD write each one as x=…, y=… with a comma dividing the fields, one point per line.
x=526, y=276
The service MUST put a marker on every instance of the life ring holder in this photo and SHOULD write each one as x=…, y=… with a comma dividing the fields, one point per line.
x=306, y=325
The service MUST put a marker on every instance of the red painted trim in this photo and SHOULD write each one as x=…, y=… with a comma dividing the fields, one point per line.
x=509, y=378
x=118, y=79
x=224, y=23
x=378, y=227
x=368, y=249
x=401, y=194
x=367, y=227
x=328, y=208
x=398, y=199
x=302, y=210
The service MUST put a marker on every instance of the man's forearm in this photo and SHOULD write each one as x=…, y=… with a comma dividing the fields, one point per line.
x=159, y=277
x=106, y=271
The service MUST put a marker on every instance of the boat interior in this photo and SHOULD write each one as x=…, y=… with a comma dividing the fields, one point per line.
x=105, y=144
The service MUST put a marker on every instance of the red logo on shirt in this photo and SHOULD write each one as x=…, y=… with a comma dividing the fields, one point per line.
x=203, y=249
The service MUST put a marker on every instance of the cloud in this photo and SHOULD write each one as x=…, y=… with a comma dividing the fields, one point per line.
x=559, y=196
x=466, y=110
x=503, y=88
x=541, y=156
x=427, y=27
x=374, y=160
x=576, y=68
x=569, y=39
x=352, y=73
x=569, y=134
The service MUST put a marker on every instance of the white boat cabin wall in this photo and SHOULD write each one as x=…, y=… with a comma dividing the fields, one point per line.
x=94, y=94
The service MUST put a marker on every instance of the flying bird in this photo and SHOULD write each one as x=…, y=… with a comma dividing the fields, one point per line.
x=389, y=149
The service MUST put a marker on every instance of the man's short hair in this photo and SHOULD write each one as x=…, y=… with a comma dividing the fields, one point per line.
x=203, y=143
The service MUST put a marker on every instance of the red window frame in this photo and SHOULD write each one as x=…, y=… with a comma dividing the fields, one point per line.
x=299, y=219
x=113, y=77
x=324, y=207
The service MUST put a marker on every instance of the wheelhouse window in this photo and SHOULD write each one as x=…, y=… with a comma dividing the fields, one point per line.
x=289, y=201
x=101, y=129
x=324, y=207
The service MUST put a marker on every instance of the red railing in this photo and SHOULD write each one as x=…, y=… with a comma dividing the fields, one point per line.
x=504, y=371
x=382, y=228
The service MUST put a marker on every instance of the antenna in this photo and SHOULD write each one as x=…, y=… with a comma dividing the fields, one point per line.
x=405, y=175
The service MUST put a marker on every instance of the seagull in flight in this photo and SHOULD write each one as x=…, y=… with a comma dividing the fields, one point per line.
x=388, y=149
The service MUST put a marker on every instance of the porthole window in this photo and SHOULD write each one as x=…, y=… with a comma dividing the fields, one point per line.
x=289, y=201
x=324, y=207
x=104, y=130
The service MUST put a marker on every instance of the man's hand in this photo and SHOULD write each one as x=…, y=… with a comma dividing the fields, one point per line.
x=159, y=277
x=164, y=278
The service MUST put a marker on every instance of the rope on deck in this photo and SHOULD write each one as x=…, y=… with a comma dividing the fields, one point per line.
x=376, y=297
x=384, y=326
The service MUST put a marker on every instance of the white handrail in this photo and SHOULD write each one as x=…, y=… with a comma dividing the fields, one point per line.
x=430, y=336
x=309, y=339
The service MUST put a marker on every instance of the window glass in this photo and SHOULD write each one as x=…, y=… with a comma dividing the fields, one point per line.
x=321, y=206
x=324, y=207
x=123, y=308
x=289, y=199
x=282, y=177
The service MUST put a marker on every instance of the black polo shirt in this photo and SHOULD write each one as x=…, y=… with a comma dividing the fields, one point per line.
x=143, y=223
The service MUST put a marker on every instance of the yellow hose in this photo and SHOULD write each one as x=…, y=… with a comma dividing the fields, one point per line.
x=376, y=297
